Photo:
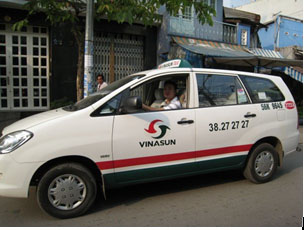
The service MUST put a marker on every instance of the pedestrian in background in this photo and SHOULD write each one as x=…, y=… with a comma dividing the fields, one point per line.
x=101, y=83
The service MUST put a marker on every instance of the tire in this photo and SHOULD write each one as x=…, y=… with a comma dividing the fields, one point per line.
x=262, y=164
x=66, y=190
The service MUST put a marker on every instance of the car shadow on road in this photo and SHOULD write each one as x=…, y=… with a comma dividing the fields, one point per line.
x=132, y=194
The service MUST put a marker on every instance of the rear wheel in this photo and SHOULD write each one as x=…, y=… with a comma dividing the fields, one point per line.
x=66, y=190
x=262, y=164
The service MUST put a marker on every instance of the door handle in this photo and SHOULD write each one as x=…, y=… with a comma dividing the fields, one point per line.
x=250, y=115
x=185, y=122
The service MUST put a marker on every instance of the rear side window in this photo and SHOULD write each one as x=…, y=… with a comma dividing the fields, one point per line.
x=262, y=90
x=219, y=90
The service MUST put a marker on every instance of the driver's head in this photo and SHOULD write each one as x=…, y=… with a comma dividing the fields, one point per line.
x=170, y=90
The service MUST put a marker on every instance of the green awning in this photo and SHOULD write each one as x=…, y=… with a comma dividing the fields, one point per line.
x=228, y=54
x=211, y=49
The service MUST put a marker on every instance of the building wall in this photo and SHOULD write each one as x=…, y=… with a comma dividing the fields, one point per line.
x=266, y=36
x=289, y=33
x=188, y=28
x=242, y=27
x=269, y=8
x=193, y=28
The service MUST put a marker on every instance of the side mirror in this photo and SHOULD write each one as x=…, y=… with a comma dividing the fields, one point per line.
x=131, y=105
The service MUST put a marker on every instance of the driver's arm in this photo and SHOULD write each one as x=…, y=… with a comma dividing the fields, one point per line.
x=149, y=108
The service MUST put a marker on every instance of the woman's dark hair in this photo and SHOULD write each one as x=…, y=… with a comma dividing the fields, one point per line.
x=169, y=82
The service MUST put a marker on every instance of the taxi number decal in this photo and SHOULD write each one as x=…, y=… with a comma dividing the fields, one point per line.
x=274, y=105
x=225, y=126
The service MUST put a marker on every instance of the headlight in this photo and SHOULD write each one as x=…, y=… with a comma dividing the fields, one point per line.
x=12, y=141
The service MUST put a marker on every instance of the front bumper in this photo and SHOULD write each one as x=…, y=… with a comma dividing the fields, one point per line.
x=15, y=177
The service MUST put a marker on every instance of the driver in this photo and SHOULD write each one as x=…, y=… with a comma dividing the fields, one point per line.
x=171, y=101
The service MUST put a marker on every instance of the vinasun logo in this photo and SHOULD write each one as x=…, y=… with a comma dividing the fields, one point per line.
x=152, y=129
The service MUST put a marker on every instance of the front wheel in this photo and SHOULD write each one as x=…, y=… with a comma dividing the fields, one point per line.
x=66, y=190
x=262, y=164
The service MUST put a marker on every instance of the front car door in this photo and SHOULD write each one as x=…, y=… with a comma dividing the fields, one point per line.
x=154, y=145
x=225, y=122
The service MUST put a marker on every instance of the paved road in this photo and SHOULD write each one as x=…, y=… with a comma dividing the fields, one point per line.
x=221, y=199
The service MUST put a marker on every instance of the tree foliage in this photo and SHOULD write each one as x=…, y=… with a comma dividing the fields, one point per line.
x=144, y=11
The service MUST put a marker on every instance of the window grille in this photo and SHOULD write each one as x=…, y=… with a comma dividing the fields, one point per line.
x=128, y=54
x=24, y=68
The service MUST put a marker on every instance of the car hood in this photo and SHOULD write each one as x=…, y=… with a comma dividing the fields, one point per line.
x=34, y=120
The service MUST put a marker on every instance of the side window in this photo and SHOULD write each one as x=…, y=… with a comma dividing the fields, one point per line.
x=219, y=90
x=146, y=92
x=108, y=108
x=152, y=92
x=262, y=90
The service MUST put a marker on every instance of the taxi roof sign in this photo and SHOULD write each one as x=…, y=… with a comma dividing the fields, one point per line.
x=176, y=63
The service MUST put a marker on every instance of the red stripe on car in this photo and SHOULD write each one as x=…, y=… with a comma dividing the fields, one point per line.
x=171, y=157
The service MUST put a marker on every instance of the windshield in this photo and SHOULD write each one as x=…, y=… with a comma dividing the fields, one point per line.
x=90, y=100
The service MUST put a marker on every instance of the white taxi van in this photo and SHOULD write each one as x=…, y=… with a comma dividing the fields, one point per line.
x=227, y=120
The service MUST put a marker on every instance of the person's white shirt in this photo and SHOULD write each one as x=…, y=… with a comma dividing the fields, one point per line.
x=101, y=86
x=173, y=104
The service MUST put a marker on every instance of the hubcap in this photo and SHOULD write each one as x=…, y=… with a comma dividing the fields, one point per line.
x=264, y=164
x=67, y=192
